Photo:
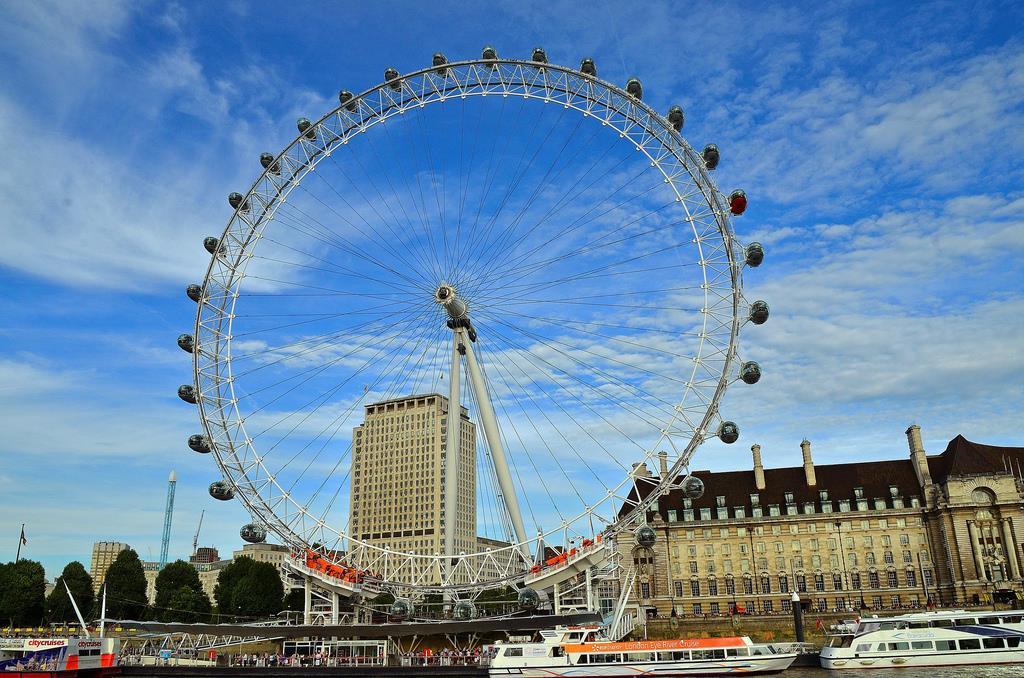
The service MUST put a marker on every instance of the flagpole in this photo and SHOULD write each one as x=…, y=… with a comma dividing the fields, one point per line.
x=21, y=540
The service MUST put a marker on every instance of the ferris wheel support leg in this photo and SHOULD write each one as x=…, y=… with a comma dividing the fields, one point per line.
x=452, y=449
x=490, y=422
x=307, y=602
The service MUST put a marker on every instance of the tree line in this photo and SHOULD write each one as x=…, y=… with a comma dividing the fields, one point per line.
x=246, y=589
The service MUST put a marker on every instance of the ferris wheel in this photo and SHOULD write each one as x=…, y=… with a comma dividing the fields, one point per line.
x=532, y=254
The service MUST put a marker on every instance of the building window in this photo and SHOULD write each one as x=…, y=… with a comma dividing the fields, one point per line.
x=869, y=558
x=837, y=581
x=929, y=578
x=888, y=557
x=766, y=584
x=773, y=510
x=645, y=590
x=891, y=579
x=714, y=608
x=786, y=605
x=873, y=580
x=720, y=501
x=886, y=540
x=705, y=514
x=748, y=585
x=710, y=567
x=801, y=583
x=693, y=567
x=697, y=609
x=808, y=507
x=722, y=513
x=672, y=515
x=855, y=580
x=712, y=587
x=904, y=539
x=755, y=499
x=862, y=504
x=879, y=504
x=687, y=514
x=894, y=491
x=768, y=609
x=911, y=578
x=756, y=512
x=908, y=557
x=679, y=589
x=826, y=507
x=730, y=586
x=858, y=493
x=789, y=497
x=694, y=588
x=792, y=509
x=783, y=583
x=844, y=504
x=819, y=582
x=823, y=495
x=687, y=503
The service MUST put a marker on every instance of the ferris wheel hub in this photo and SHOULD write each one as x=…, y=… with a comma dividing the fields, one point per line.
x=446, y=295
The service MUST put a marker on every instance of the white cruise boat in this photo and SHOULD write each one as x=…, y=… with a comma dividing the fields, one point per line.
x=58, y=657
x=940, y=638
x=581, y=651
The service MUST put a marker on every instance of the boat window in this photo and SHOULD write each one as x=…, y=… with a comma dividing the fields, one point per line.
x=919, y=625
x=970, y=644
x=683, y=656
x=1014, y=619
x=888, y=626
x=699, y=655
x=899, y=646
x=742, y=652
x=557, y=651
x=718, y=654
x=942, y=623
x=993, y=643
x=638, y=657
x=513, y=652
x=966, y=621
x=921, y=645
x=584, y=659
x=989, y=620
x=880, y=648
x=1013, y=642
x=759, y=650
x=945, y=645
x=864, y=647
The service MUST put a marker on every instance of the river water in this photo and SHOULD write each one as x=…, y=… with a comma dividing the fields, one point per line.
x=948, y=672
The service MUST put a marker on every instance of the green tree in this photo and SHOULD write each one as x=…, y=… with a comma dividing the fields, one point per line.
x=22, y=592
x=126, y=587
x=58, y=605
x=246, y=588
x=295, y=600
x=179, y=594
x=226, y=581
x=260, y=592
x=187, y=605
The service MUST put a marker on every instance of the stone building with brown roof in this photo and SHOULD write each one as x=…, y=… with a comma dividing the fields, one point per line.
x=944, y=528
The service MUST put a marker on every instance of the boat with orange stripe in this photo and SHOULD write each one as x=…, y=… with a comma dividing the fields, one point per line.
x=582, y=651
x=58, y=657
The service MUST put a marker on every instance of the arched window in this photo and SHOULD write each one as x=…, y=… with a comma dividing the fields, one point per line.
x=983, y=496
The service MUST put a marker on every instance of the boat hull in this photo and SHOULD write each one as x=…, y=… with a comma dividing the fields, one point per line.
x=746, y=665
x=932, y=659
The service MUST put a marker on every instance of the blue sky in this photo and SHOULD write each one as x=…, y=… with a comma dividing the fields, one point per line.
x=878, y=142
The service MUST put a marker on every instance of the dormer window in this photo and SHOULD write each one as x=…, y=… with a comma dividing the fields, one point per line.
x=755, y=499
x=720, y=501
x=823, y=495
x=687, y=503
x=789, y=497
x=894, y=491
x=858, y=493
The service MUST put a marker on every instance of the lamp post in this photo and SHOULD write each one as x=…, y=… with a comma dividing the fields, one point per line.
x=842, y=554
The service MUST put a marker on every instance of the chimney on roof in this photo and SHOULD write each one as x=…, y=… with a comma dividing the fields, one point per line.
x=758, y=468
x=663, y=463
x=640, y=470
x=805, y=448
x=918, y=456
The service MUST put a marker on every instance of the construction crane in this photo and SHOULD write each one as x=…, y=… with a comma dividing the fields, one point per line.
x=195, y=539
